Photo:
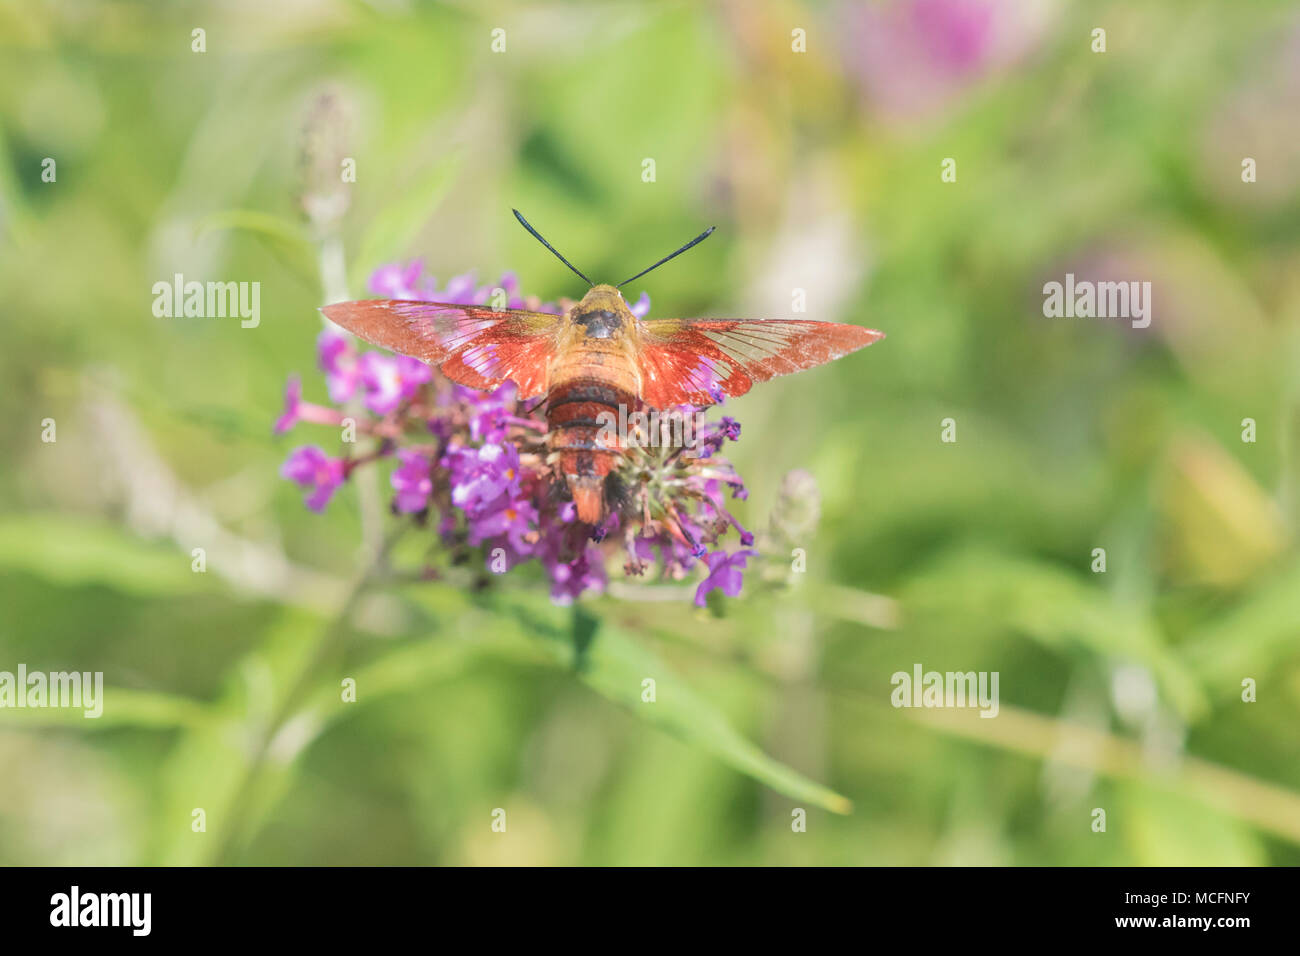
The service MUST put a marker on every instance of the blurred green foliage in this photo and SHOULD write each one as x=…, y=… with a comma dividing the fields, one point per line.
x=1120, y=690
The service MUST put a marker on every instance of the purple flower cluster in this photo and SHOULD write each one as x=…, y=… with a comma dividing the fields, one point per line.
x=914, y=57
x=478, y=462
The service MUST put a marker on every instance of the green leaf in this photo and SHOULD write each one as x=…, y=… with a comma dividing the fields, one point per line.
x=397, y=672
x=613, y=664
x=1252, y=636
x=265, y=224
x=210, y=768
x=71, y=550
x=14, y=214
x=122, y=707
x=288, y=238
x=979, y=592
x=1162, y=826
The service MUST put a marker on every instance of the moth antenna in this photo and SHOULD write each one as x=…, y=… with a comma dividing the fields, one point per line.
x=698, y=239
x=538, y=236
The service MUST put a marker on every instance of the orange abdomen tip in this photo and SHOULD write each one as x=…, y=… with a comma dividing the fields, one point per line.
x=588, y=496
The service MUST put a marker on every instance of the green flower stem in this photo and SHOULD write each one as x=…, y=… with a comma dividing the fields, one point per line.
x=299, y=692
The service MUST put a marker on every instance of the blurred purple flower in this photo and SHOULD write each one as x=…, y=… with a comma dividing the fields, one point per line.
x=570, y=578
x=338, y=360
x=480, y=476
x=312, y=468
x=412, y=481
x=492, y=413
x=389, y=380
x=915, y=56
x=407, y=282
x=724, y=573
x=512, y=517
x=401, y=282
x=641, y=307
x=292, y=405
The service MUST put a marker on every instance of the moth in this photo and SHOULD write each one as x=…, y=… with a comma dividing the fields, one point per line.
x=597, y=357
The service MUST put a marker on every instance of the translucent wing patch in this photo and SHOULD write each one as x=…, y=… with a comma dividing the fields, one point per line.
x=697, y=361
x=472, y=345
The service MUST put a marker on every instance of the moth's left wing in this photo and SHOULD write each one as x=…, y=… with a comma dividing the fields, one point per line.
x=693, y=361
x=473, y=345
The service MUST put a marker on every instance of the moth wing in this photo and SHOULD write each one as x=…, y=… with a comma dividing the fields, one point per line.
x=696, y=361
x=473, y=345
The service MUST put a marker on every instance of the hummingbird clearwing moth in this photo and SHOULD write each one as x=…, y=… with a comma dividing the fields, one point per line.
x=597, y=357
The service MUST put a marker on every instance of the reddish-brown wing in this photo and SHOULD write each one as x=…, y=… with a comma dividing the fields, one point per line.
x=473, y=345
x=689, y=361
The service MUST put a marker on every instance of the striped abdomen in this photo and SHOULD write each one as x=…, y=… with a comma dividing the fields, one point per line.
x=586, y=392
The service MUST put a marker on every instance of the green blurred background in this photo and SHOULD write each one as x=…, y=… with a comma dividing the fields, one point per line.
x=1119, y=690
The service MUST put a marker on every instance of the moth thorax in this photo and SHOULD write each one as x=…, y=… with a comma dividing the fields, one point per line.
x=599, y=323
